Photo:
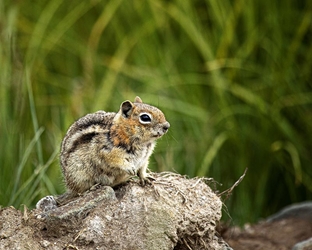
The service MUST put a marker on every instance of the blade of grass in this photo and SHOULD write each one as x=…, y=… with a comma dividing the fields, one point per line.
x=22, y=164
x=39, y=31
x=27, y=189
x=33, y=115
x=211, y=153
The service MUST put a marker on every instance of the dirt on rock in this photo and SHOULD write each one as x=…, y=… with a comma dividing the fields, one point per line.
x=172, y=213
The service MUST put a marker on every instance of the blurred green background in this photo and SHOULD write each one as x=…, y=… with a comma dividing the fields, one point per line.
x=233, y=77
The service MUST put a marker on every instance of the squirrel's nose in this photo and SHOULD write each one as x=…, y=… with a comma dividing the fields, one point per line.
x=166, y=126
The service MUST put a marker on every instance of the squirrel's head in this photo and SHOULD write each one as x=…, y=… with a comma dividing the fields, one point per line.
x=141, y=121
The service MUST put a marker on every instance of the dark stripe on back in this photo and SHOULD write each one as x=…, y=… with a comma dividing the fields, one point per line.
x=83, y=139
x=99, y=119
x=103, y=120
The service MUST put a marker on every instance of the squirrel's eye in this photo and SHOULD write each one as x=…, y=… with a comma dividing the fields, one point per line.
x=145, y=118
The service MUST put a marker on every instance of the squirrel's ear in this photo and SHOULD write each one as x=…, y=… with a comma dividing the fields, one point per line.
x=126, y=108
x=138, y=100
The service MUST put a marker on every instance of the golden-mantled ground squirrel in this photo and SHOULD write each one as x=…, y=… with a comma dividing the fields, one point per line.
x=108, y=148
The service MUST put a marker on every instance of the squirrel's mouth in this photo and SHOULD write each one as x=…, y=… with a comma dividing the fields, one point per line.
x=159, y=134
x=161, y=131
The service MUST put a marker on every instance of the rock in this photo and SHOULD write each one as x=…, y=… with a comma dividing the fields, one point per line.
x=47, y=203
x=301, y=210
x=303, y=245
x=172, y=213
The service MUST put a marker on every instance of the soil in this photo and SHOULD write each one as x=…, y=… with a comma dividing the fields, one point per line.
x=279, y=235
x=279, y=232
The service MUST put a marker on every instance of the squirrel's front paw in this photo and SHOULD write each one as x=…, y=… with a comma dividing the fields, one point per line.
x=131, y=170
x=146, y=180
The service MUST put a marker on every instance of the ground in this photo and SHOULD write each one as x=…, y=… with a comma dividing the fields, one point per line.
x=279, y=232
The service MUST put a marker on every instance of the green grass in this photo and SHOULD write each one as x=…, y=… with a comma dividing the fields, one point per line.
x=233, y=78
